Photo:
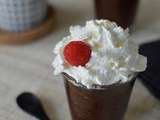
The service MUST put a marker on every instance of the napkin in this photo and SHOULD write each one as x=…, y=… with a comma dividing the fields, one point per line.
x=151, y=77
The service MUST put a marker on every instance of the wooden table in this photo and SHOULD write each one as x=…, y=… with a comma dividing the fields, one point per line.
x=28, y=67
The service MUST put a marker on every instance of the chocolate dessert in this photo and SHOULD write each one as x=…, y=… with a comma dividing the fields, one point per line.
x=107, y=103
x=121, y=11
x=99, y=64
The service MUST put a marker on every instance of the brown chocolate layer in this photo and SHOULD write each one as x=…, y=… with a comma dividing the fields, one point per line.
x=121, y=11
x=109, y=103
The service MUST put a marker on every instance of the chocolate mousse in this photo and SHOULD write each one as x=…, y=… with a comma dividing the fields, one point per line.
x=99, y=63
x=107, y=103
x=121, y=11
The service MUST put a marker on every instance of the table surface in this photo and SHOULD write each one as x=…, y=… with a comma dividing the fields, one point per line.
x=28, y=67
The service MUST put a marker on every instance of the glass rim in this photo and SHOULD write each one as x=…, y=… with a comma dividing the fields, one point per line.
x=98, y=87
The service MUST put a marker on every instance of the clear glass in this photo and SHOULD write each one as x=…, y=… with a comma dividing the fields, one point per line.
x=108, y=103
x=121, y=11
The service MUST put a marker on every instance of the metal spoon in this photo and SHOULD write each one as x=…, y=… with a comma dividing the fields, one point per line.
x=32, y=105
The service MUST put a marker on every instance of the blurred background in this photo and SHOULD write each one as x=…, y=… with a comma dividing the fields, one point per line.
x=27, y=66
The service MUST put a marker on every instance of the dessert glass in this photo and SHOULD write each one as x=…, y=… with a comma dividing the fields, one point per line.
x=107, y=102
x=121, y=11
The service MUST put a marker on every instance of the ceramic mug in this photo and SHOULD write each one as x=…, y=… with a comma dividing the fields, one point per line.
x=21, y=15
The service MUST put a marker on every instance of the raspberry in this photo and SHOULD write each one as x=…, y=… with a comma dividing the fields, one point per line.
x=77, y=53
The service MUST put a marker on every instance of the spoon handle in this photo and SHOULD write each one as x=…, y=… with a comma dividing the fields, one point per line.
x=43, y=117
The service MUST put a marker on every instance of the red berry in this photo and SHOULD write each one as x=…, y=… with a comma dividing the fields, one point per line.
x=77, y=53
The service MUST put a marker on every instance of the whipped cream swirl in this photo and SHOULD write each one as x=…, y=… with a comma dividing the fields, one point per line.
x=115, y=58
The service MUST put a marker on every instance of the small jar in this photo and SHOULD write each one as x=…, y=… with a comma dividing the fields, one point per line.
x=21, y=15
